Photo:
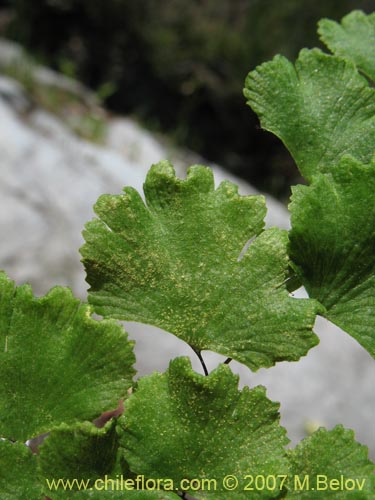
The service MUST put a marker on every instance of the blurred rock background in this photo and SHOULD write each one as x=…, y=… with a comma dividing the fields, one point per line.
x=161, y=75
x=180, y=65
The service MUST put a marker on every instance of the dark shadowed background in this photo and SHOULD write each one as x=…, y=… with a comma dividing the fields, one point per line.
x=179, y=65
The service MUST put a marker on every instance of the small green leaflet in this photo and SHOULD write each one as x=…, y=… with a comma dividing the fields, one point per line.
x=331, y=465
x=81, y=452
x=321, y=108
x=353, y=39
x=181, y=424
x=332, y=245
x=57, y=364
x=85, y=454
x=176, y=263
x=18, y=473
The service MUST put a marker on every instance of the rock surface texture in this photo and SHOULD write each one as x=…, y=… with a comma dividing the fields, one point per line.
x=49, y=181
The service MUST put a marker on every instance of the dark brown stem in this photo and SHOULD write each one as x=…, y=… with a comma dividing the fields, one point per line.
x=198, y=353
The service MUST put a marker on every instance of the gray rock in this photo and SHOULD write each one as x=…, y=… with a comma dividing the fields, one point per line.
x=13, y=57
x=50, y=180
x=132, y=141
x=13, y=93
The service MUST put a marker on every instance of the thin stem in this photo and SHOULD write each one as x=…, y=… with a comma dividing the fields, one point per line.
x=227, y=361
x=198, y=353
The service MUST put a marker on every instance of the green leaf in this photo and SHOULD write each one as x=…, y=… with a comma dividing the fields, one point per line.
x=177, y=264
x=57, y=364
x=332, y=245
x=321, y=108
x=335, y=465
x=80, y=452
x=80, y=461
x=18, y=473
x=353, y=39
x=182, y=425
